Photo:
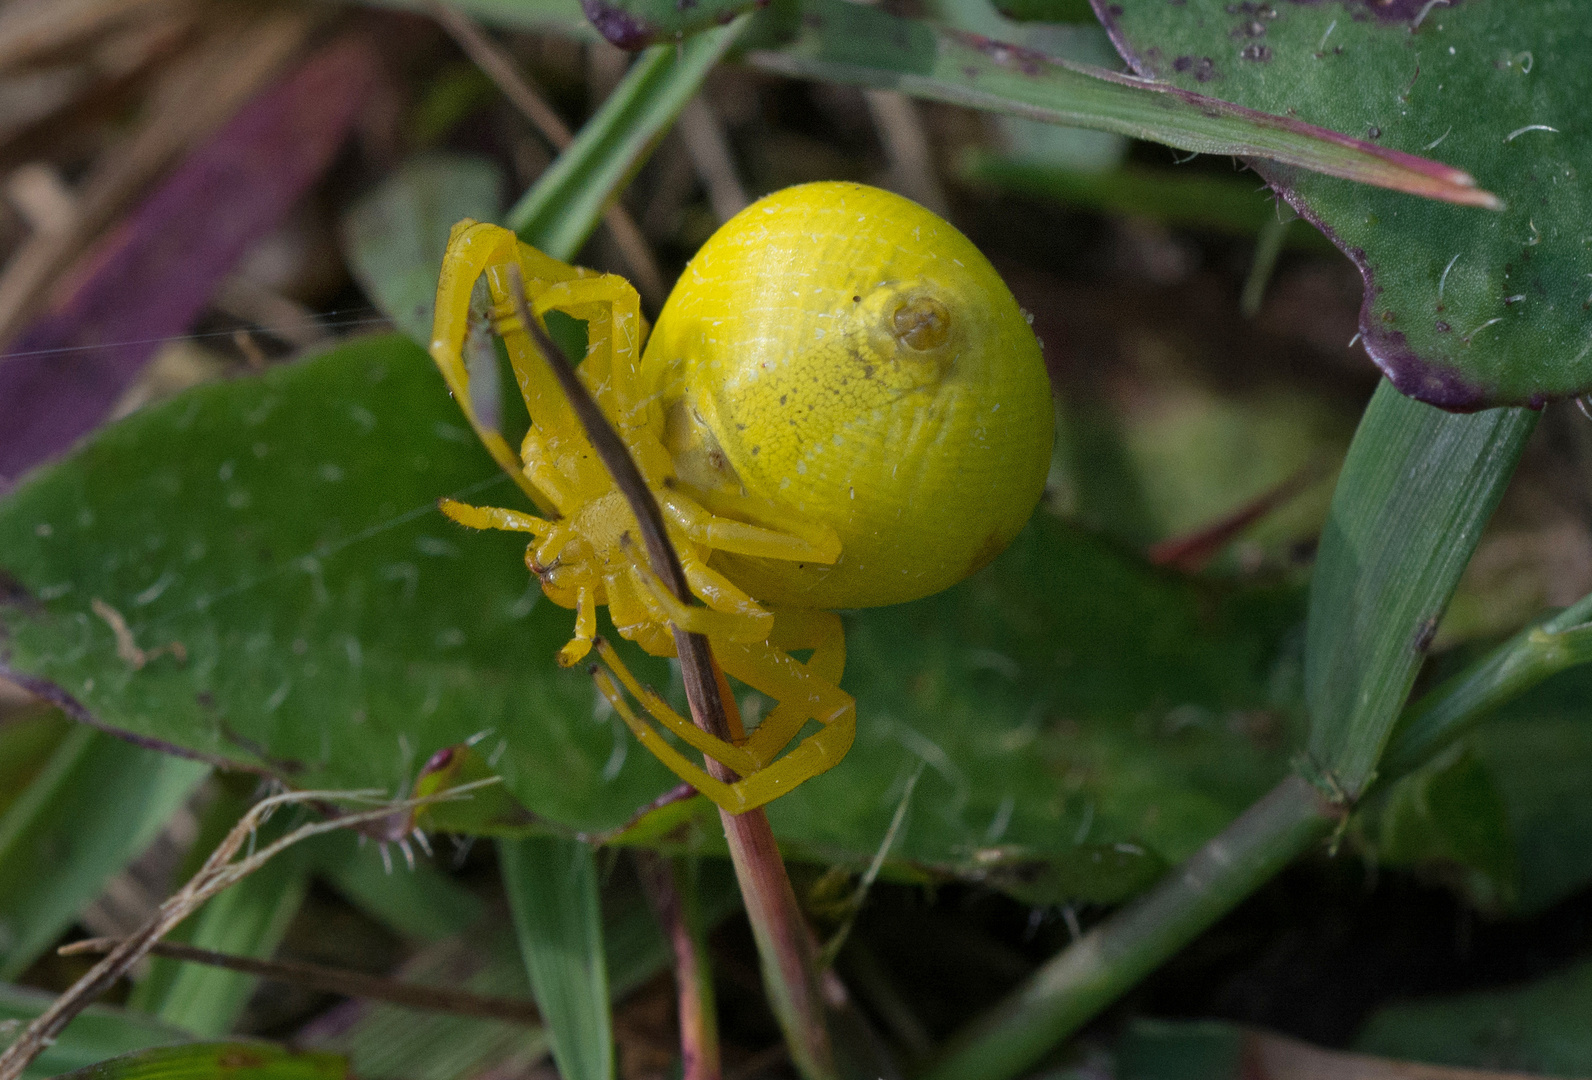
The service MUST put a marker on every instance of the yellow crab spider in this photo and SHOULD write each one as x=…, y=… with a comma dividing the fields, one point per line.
x=841, y=406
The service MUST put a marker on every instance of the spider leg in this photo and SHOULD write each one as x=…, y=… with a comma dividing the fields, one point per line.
x=721, y=793
x=797, y=628
x=710, y=622
x=494, y=517
x=585, y=627
x=473, y=247
x=725, y=753
x=803, y=695
x=726, y=534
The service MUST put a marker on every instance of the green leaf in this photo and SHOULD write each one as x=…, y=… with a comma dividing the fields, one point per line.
x=1075, y=706
x=26, y=745
x=1449, y=819
x=385, y=1042
x=248, y=919
x=422, y=902
x=1538, y=1028
x=552, y=888
x=1416, y=489
x=562, y=209
x=91, y=810
x=635, y=24
x=837, y=41
x=395, y=236
x=1538, y=751
x=1046, y=10
x=1462, y=309
x=1193, y=200
x=217, y=1061
x=97, y=1033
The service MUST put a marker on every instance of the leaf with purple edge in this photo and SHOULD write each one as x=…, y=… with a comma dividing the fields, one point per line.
x=1461, y=310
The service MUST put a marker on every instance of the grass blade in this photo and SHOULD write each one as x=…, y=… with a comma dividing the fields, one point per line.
x=96, y=805
x=218, y=1061
x=99, y=1032
x=552, y=888
x=563, y=207
x=861, y=46
x=1416, y=489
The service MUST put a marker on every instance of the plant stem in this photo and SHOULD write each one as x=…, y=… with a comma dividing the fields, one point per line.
x=1097, y=968
x=354, y=984
x=783, y=939
x=671, y=890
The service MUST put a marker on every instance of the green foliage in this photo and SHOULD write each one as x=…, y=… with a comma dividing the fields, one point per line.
x=1540, y=1028
x=1463, y=309
x=97, y=1033
x=217, y=1061
x=339, y=632
x=395, y=235
x=1415, y=491
x=91, y=809
x=551, y=884
x=560, y=211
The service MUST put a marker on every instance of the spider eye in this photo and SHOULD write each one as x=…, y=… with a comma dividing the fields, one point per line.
x=922, y=323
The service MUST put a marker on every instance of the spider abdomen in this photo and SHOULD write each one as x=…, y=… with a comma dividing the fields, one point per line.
x=847, y=357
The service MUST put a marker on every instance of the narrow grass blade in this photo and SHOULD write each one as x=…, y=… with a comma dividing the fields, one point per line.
x=1416, y=489
x=862, y=46
x=1556, y=644
x=564, y=206
x=218, y=1061
x=552, y=889
x=1100, y=966
x=95, y=805
x=249, y=919
x=99, y=1032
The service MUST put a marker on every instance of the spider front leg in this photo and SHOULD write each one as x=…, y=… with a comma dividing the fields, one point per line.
x=803, y=692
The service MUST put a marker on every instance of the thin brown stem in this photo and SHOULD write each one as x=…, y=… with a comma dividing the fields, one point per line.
x=671, y=893
x=784, y=941
x=332, y=980
x=499, y=66
x=217, y=873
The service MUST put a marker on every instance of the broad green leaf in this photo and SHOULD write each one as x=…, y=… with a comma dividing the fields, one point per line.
x=1415, y=491
x=552, y=889
x=97, y=1033
x=395, y=235
x=562, y=209
x=1540, y=1028
x=1462, y=309
x=91, y=810
x=1073, y=705
x=217, y=1061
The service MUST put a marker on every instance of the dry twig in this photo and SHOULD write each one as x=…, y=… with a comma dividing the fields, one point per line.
x=217, y=873
x=332, y=980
